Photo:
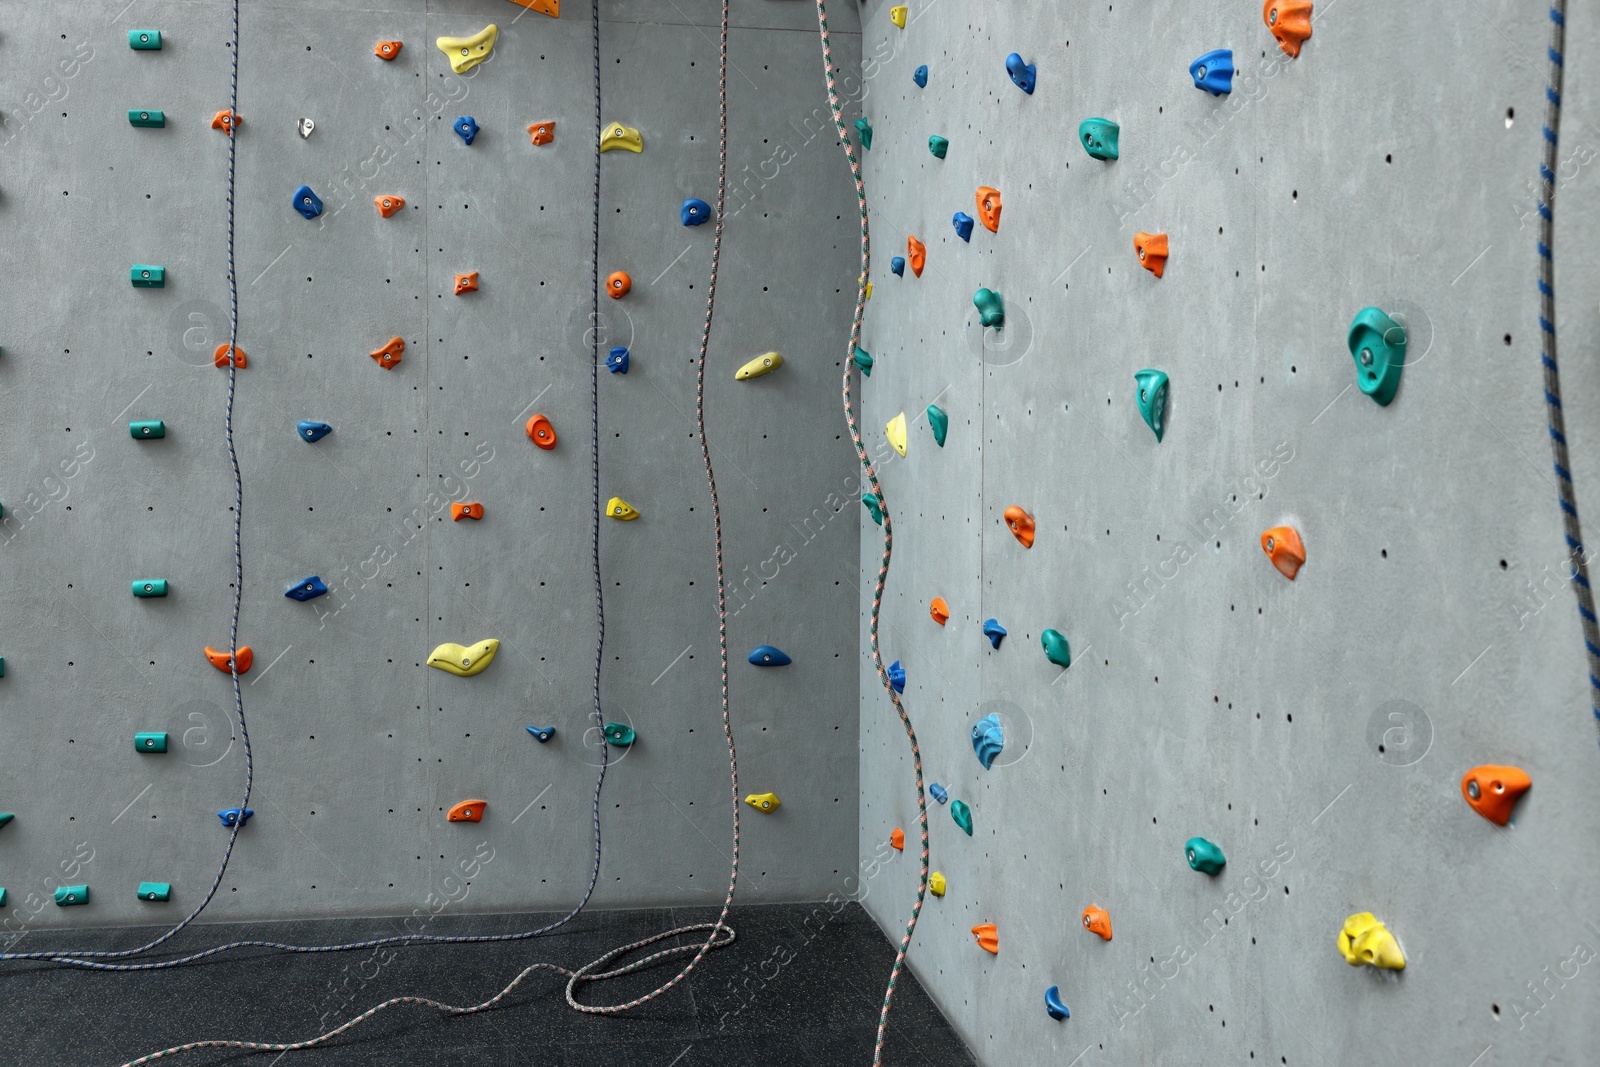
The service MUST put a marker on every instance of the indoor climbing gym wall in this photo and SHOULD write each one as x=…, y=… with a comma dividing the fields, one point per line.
x=413, y=226
x=1230, y=588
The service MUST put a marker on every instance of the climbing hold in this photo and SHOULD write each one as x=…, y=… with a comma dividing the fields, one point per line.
x=895, y=431
x=763, y=801
x=313, y=431
x=466, y=128
x=936, y=884
x=467, y=52
x=306, y=589
x=1378, y=344
x=235, y=816
x=221, y=357
x=994, y=632
x=147, y=119
x=224, y=663
x=226, y=121
x=874, y=507
x=991, y=309
x=145, y=276
x=387, y=50
x=305, y=127
x=619, y=734
x=390, y=354
x=541, y=433
x=758, y=366
x=542, y=734
x=458, y=512
x=1021, y=524
x=5, y=818
x=544, y=7
x=1213, y=72
x=464, y=662
x=962, y=815
x=988, y=936
x=1056, y=648
x=1153, y=399
x=1204, y=856
x=143, y=587
x=916, y=255
x=1099, y=137
x=863, y=360
x=1053, y=1005
x=159, y=891
x=144, y=40
x=542, y=132
x=617, y=135
x=897, y=839
x=897, y=266
x=939, y=423
x=769, y=656
x=938, y=146
x=1282, y=546
x=1152, y=250
x=1097, y=921
x=1024, y=75
x=989, y=208
x=897, y=15
x=1364, y=939
x=920, y=76
x=147, y=430
x=988, y=739
x=963, y=224
x=1290, y=23
x=939, y=793
x=617, y=284
x=388, y=205
x=694, y=212
x=467, y=283
x=69, y=895
x=154, y=742
x=864, y=133
x=617, y=361
x=619, y=508
x=466, y=811
x=939, y=610
x=1492, y=790
x=897, y=677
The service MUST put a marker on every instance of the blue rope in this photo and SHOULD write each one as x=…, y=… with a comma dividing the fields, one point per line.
x=1552, y=373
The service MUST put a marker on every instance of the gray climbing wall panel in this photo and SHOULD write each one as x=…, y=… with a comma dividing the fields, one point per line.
x=359, y=748
x=1317, y=730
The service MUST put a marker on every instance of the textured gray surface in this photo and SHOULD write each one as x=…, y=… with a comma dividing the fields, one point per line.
x=359, y=748
x=1219, y=699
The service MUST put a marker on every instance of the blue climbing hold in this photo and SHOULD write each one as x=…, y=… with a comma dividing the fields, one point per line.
x=306, y=589
x=897, y=265
x=963, y=224
x=467, y=127
x=542, y=734
x=988, y=739
x=694, y=212
x=1024, y=74
x=1054, y=1005
x=994, y=632
x=1213, y=72
x=235, y=816
x=617, y=361
x=313, y=431
x=920, y=76
x=897, y=677
x=939, y=792
x=768, y=656
x=307, y=203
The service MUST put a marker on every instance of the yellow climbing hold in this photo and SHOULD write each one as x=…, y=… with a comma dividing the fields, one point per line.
x=467, y=52
x=619, y=508
x=464, y=661
x=758, y=366
x=936, y=884
x=1366, y=940
x=896, y=432
x=869, y=290
x=616, y=135
x=897, y=15
x=763, y=801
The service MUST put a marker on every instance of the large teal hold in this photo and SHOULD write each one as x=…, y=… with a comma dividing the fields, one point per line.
x=1056, y=648
x=151, y=742
x=159, y=891
x=939, y=423
x=991, y=309
x=962, y=815
x=864, y=133
x=938, y=146
x=1099, y=138
x=874, y=507
x=68, y=895
x=147, y=430
x=1204, y=856
x=1153, y=399
x=147, y=118
x=144, y=40
x=1378, y=345
x=145, y=276
x=143, y=587
x=620, y=734
x=864, y=361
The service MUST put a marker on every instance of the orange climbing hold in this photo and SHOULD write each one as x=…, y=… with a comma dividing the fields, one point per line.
x=467, y=811
x=387, y=49
x=543, y=7
x=1097, y=921
x=989, y=208
x=219, y=660
x=388, y=205
x=543, y=132
x=220, y=357
x=897, y=839
x=390, y=354
x=916, y=255
x=467, y=283
x=618, y=284
x=1289, y=21
x=988, y=935
x=473, y=510
x=1282, y=546
x=939, y=610
x=541, y=433
x=1496, y=789
x=1021, y=524
x=1152, y=249
x=226, y=121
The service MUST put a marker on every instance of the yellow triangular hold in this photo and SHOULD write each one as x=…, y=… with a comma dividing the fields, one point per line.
x=619, y=508
x=897, y=15
x=467, y=52
x=896, y=432
x=616, y=135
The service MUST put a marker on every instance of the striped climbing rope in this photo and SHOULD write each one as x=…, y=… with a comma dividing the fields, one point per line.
x=834, y=104
x=1552, y=373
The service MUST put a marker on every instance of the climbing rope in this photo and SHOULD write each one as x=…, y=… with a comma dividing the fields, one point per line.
x=836, y=106
x=1552, y=373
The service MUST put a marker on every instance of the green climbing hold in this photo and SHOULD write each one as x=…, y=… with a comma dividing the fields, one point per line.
x=143, y=587
x=1378, y=344
x=1099, y=138
x=147, y=276
x=962, y=815
x=147, y=429
x=144, y=40
x=620, y=734
x=147, y=118
x=2, y=896
x=1153, y=399
x=1204, y=856
x=864, y=133
x=938, y=146
x=874, y=506
x=155, y=891
x=155, y=742
x=5, y=818
x=1056, y=649
x=939, y=423
x=68, y=895
x=990, y=308
x=864, y=361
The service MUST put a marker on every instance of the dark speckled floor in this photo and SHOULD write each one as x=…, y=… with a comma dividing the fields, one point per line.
x=801, y=986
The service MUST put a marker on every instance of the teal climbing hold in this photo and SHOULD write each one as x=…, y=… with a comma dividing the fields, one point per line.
x=68, y=895
x=1056, y=649
x=159, y=891
x=962, y=815
x=155, y=742
x=991, y=309
x=6, y=817
x=541, y=733
x=864, y=361
x=147, y=430
x=874, y=507
x=620, y=734
x=864, y=133
x=1153, y=399
x=938, y=146
x=939, y=423
x=988, y=739
x=2, y=896
x=1378, y=345
x=147, y=118
x=1099, y=138
x=146, y=276
x=1204, y=856
x=143, y=587
x=144, y=40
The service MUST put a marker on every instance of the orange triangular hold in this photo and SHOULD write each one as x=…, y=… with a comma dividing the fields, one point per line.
x=219, y=660
x=543, y=7
x=387, y=49
x=226, y=121
x=1493, y=790
x=220, y=356
x=467, y=283
x=543, y=132
x=389, y=354
x=468, y=811
x=389, y=204
x=988, y=935
x=897, y=838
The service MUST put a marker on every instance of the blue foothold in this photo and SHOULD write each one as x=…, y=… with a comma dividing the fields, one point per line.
x=988, y=738
x=306, y=589
x=920, y=76
x=1213, y=72
x=897, y=677
x=694, y=212
x=542, y=734
x=1054, y=1005
x=963, y=224
x=768, y=656
x=307, y=203
x=939, y=792
x=993, y=631
x=897, y=265
x=617, y=361
x=313, y=431
x=1024, y=74
x=232, y=816
x=467, y=127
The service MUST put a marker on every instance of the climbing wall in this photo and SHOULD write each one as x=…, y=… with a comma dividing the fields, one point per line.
x=1316, y=730
x=360, y=748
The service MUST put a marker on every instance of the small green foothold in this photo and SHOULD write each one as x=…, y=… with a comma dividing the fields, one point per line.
x=150, y=742
x=2, y=666
x=990, y=307
x=1056, y=649
x=68, y=895
x=1099, y=138
x=143, y=587
x=1378, y=344
x=938, y=146
x=620, y=734
x=145, y=276
x=155, y=890
x=962, y=815
x=939, y=423
x=5, y=818
x=147, y=119
x=874, y=507
x=1204, y=856
x=2, y=896
x=144, y=40
x=1153, y=399
x=147, y=430
x=864, y=132
x=864, y=361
